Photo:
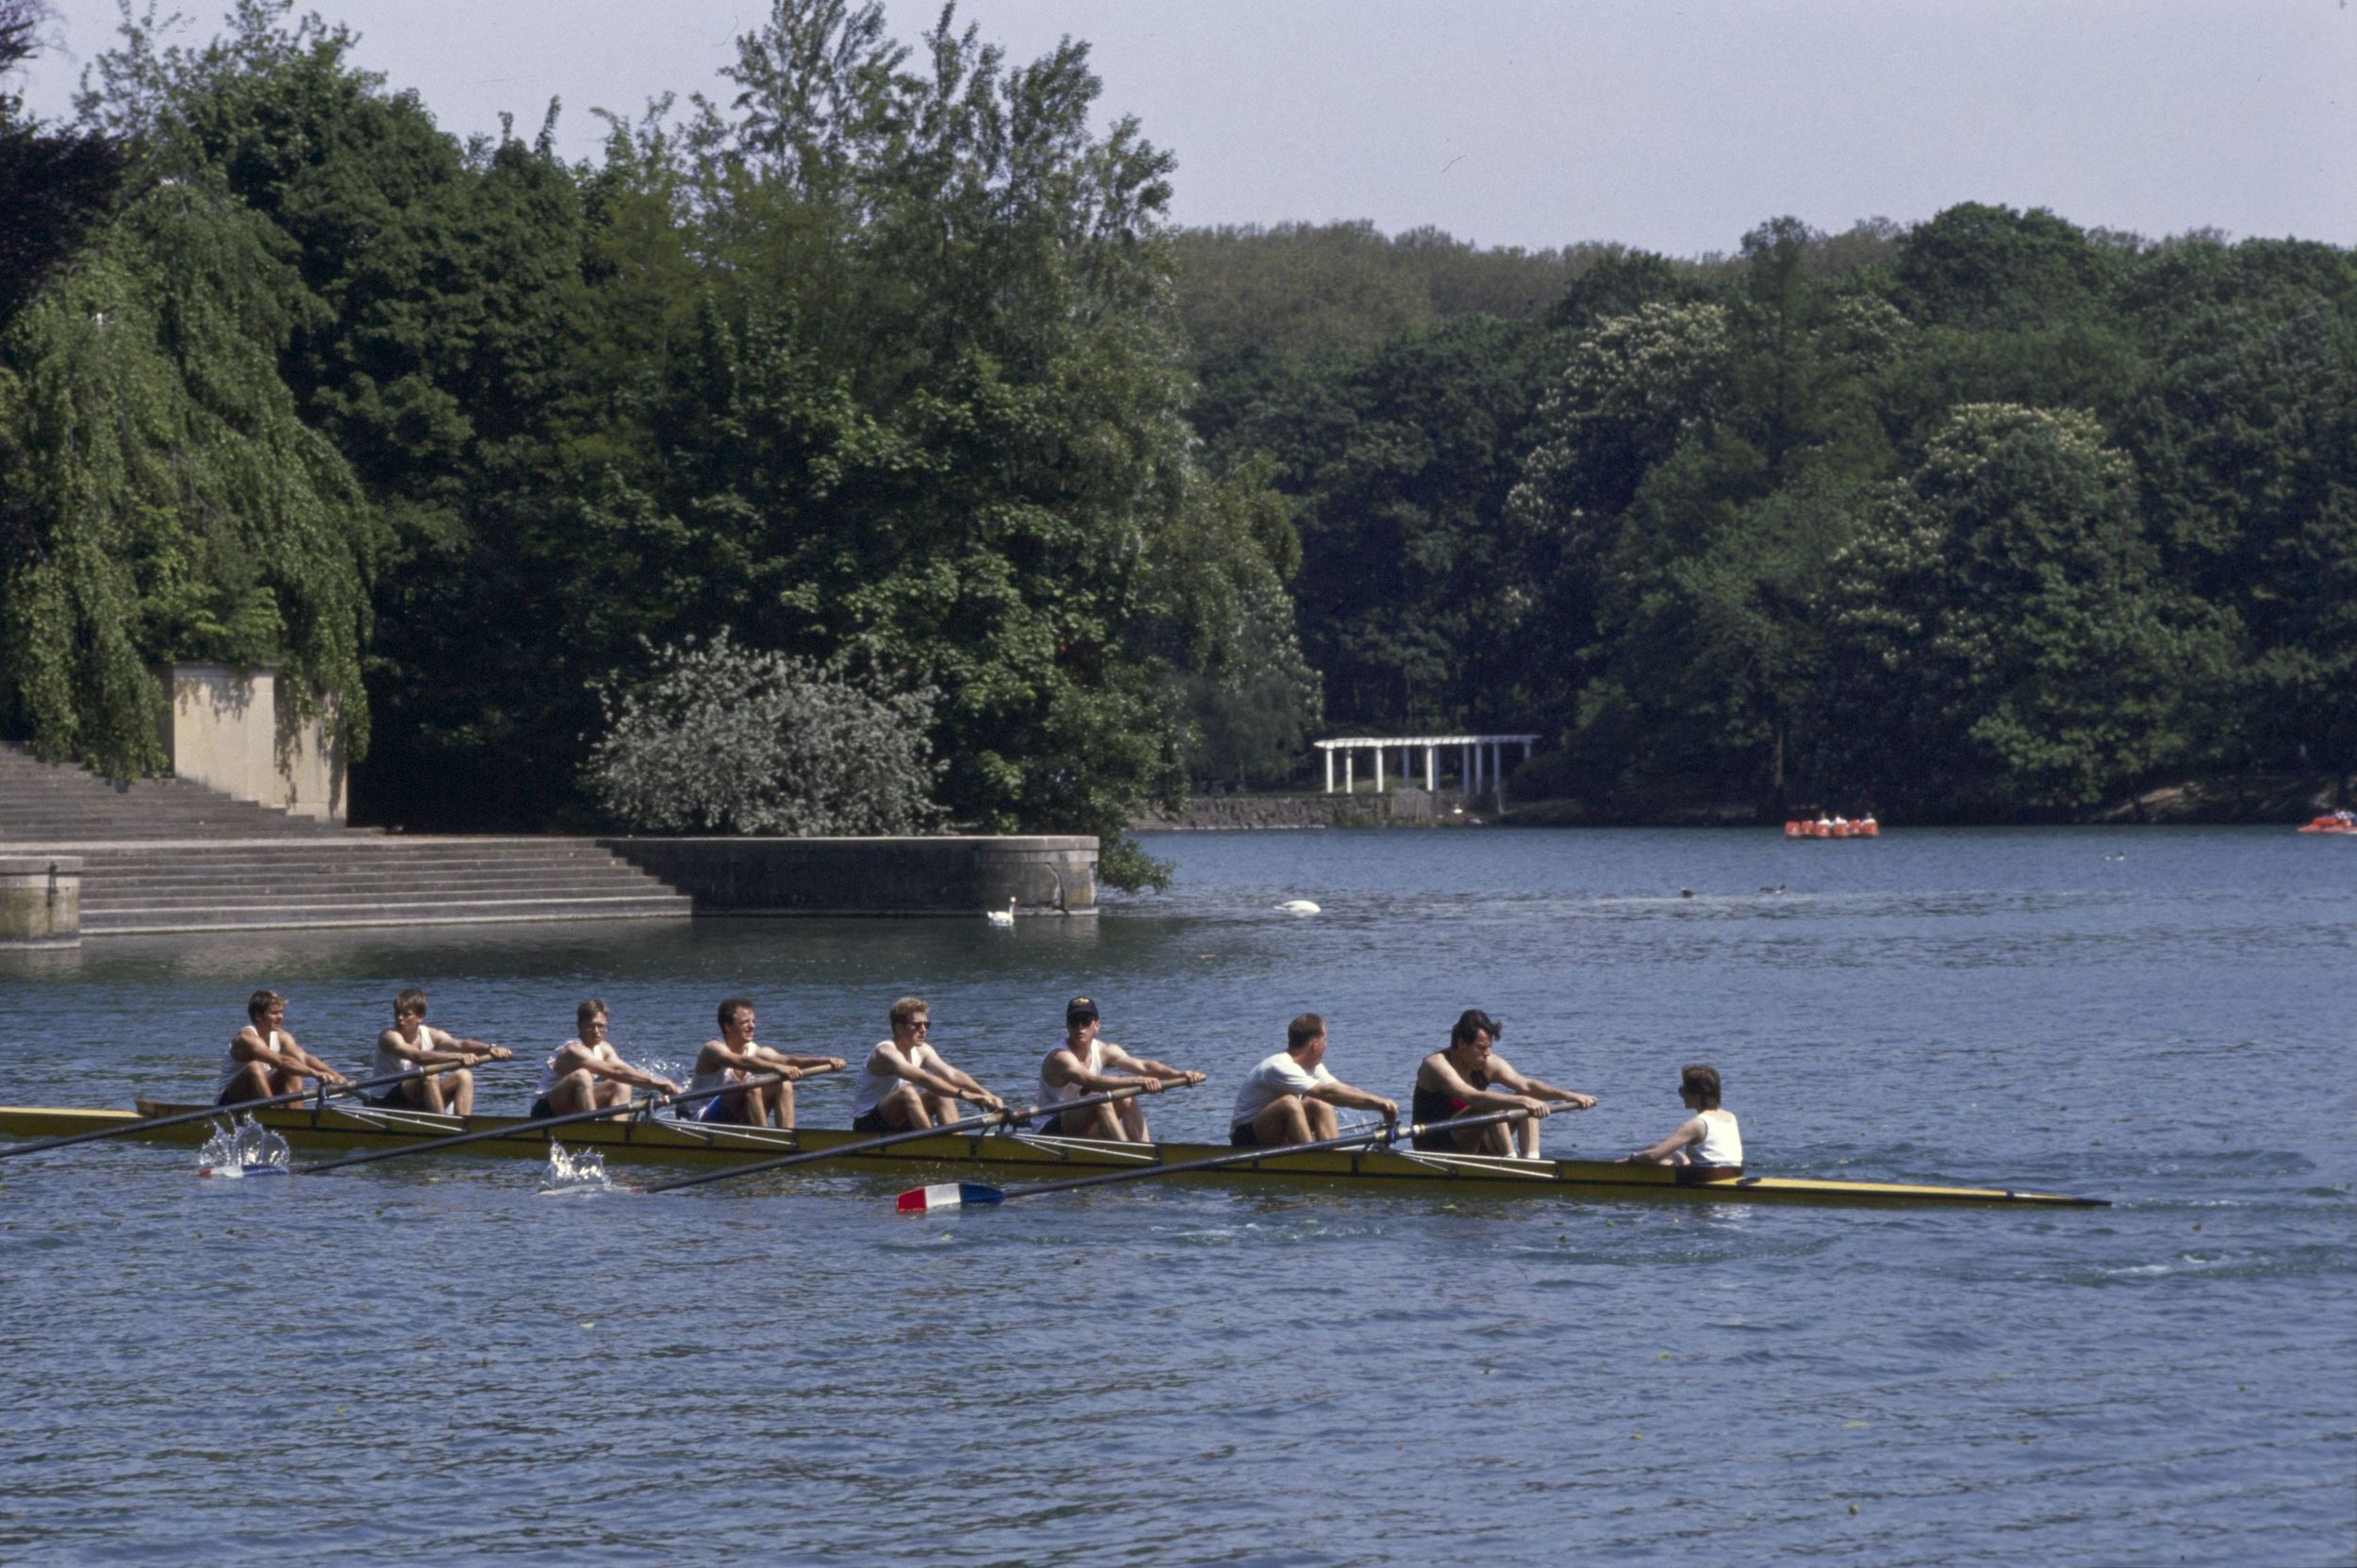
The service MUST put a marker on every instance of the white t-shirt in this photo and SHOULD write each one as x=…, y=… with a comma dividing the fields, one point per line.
x=1272, y=1081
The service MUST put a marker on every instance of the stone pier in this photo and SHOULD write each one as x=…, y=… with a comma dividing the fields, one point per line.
x=40, y=900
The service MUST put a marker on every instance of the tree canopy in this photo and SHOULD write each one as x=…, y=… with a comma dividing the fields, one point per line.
x=887, y=362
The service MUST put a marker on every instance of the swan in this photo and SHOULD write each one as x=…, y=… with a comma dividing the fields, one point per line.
x=1298, y=906
x=1000, y=916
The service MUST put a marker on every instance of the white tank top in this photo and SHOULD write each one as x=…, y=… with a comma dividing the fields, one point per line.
x=387, y=1063
x=874, y=1085
x=721, y=1078
x=231, y=1067
x=549, y=1075
x=1721, y=1145
x=1056, y=1093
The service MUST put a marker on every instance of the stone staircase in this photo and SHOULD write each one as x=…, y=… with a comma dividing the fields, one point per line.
x=167, y=855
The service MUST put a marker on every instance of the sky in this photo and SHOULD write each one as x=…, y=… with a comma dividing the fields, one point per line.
x=1673, y=125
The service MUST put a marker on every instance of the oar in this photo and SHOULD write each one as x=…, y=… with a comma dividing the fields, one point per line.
x=146, y=1124
x=951, y=1195
x=634, y=1108
x=969, y=1125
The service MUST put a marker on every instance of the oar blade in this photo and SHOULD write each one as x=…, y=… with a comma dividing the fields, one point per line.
x=948, y=1194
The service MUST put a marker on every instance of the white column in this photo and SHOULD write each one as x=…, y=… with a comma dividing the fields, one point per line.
x=1379, y=771
x=1464, y=770
x=1432, y=769
x=1350, y=771
x=1328, y=753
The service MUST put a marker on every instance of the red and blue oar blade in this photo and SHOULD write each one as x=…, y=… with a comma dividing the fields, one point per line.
x=946, y=1195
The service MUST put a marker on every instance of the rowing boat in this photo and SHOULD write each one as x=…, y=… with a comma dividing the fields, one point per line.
x=339, y=1125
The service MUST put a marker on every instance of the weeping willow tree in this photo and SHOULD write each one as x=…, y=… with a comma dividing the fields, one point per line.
x=159, y=499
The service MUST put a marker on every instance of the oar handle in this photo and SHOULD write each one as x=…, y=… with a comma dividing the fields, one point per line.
x=147, y=1124
x=1004, y=1116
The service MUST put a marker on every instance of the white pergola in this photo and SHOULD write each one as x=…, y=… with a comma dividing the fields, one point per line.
x=1478, y=759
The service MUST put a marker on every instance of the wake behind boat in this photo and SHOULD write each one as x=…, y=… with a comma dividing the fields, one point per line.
x=339, y=1124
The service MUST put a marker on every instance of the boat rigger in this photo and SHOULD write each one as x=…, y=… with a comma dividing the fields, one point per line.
x=345, y=1125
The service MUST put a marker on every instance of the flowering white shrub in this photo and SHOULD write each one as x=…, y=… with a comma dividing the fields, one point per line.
x=723, y=739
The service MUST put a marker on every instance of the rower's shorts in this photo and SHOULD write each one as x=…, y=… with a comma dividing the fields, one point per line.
x=716, y=1109
x=871, y=1121
x=394, y=1097
x=542, y=1110
x=1244, y=1135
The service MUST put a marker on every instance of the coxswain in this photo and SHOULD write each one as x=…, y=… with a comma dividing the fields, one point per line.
x=1290, y=1097
x=588, y=1074
x=1706, y=1141
x=1085, y=1065
x=735, y=1057
x=906, y=1084
x=412, y=1043
x=1467, y=1077
x=264, y=1062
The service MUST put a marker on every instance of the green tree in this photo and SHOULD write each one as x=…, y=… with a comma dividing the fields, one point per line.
x=1996, y=639
x=163, y=500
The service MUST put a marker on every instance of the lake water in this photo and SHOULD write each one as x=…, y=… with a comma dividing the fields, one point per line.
x=444, y=1360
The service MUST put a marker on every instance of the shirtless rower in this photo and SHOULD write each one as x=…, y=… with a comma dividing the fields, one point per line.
x=734, y=1057
x=1290, y=1097
x=588, y=1073
x=412, y=1043
x=1468, y=1078
x=1084, y=1065
x=905, y=1083
x=264, y=1061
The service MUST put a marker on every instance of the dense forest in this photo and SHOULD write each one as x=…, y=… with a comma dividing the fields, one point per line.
x=887, y=364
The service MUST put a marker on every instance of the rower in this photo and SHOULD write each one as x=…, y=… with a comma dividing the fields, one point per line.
x=588, y=1074
x=412, y=1043
x=1706, y=1142
x=906, y=1083
x=1085, y=1065
x=1290, y=1097
x=1467, y=1077
x=264, y=1061
x=733, y=1057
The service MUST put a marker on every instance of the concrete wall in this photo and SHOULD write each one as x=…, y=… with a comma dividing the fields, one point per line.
x=872, y=876
x=224, y=729
x=40, y=900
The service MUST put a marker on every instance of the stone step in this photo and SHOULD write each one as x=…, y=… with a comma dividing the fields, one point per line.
x=113, y=922
x=167, y=855
x=108, y=896
x=148, y=897
x=358, y=857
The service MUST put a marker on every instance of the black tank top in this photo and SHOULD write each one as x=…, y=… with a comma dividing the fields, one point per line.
x=1437, y=1105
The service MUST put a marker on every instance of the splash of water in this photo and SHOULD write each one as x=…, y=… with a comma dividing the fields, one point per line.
x=243, y=1147
x=569, y=1172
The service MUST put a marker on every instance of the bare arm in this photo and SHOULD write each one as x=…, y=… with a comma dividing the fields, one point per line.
x=469, y=1051
x=292, y=1058
x=786, y=1062
x=753, y=1059
x=964, y=1085
x=1146, y=1067
x=1520, y=1083
x=1689, y=1131
x=1443, y=1075
x=884, y=1059
x=1065, y=1067
x=1338, y=1092
x=622, y=1072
